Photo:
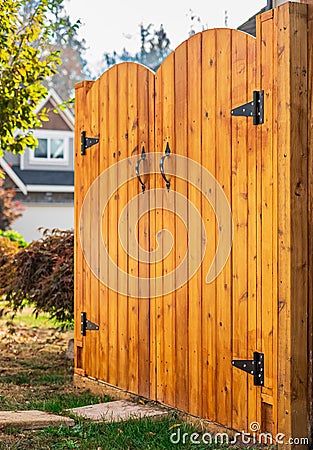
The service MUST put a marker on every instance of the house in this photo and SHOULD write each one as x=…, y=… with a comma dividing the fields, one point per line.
x=250, y=25
x=44, y=178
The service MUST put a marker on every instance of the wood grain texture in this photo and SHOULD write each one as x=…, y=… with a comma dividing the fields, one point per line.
x=292, y=219
x=310, y=214
x=181, y=313
x=241, y=91
x=223, y=175
x=209, y=325
x=194, y=196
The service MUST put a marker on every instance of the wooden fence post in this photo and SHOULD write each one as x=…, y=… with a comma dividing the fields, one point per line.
x=292, y=147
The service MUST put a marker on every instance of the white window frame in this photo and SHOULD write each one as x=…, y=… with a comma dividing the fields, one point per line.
x=52, y=134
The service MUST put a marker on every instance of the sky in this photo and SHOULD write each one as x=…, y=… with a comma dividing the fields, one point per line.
x=113, y=25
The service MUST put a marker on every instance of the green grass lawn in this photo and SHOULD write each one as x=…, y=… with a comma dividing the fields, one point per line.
x=26, y=318
x=35, y=374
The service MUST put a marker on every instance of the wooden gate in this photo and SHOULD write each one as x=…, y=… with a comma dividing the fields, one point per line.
x=182, y=348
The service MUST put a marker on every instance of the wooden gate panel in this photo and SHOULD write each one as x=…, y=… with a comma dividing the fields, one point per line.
x=218, y=151
x=178, y=348
x=86, y=288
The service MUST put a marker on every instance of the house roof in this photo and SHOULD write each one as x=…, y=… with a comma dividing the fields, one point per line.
x=55, y=100
x=45, y=177
x=44, y=180
x=250, y=25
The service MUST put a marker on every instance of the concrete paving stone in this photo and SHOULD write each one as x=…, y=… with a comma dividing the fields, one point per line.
x=118, y=411
x=32, y=420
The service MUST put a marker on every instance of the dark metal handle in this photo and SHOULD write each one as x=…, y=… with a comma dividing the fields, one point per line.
x=167, y=153
x=142, y=158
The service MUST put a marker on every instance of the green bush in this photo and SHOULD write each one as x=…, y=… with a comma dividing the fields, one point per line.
x=42, y=274
x=14, y=236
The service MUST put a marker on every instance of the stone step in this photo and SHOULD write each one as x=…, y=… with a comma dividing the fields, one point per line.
x=32, y=420
x=118, y=411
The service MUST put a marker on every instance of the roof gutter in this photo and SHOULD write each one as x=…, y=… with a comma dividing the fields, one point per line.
x=19, y=183
x=269, y=5
x=49, y=188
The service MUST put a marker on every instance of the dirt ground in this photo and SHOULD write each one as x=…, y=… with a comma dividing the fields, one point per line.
x=32, y=365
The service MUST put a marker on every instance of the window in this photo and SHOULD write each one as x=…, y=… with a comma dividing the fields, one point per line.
x=53, y=147
x=50, y=149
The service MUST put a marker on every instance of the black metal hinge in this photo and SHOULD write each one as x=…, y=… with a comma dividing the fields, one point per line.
x=86, y=142
x=86, y=324
x=254, y=367
x=253, y=109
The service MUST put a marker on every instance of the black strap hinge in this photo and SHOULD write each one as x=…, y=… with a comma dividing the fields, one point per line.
x=253, y=109
x=86, y=324
x=87, y=142
x=253, y=367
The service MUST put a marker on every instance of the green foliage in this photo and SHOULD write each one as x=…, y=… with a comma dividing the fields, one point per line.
x=65, y=38
x=43, y=274
x=155, y=47
x=14, y=236
x=27, y=32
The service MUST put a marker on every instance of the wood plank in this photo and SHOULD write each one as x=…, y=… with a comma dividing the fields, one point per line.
x=181, y=242
x=144, y=121
x=104, y=291
x=299, y=225
x=152, y=221
x=159, y=183
x=275, y=230
x=194, y=196
x=267, y=206
x=89, y=360
x=93, y=161
x=113, y=220
x=209, y=290
x=254, y=401
x=310, y=212
x=80, y=95
x=133, y=190
x=168, y=221
x=121, y=200
x=259, y=45
x=240, y=94
x=223, y=176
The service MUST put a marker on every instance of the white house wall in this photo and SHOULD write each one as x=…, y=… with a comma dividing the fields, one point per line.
x=46, y=216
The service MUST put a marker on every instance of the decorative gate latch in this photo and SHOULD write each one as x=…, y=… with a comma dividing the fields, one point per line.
x=86, y=142
x=86, y=324
x=253, y=367
x=253, y=109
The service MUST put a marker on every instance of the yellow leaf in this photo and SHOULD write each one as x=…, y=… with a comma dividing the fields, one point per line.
x=175, y=426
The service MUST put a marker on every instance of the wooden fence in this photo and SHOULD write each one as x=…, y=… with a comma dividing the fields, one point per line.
x=178, y=348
